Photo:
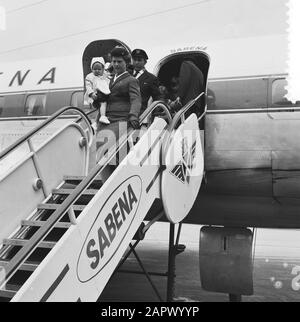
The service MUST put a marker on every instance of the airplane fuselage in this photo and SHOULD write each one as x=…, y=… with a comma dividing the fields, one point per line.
x=251, y=142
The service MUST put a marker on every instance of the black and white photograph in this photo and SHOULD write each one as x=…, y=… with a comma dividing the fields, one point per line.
x=149, y=154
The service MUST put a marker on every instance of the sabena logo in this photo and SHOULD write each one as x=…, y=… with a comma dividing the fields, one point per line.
x=182, y=171
x=109, y=229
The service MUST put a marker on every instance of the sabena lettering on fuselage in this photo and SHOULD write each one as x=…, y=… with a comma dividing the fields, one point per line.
x=20, y=77
x=113, y=222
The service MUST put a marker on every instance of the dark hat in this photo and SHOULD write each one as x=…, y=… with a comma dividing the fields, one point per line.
x=139, y=53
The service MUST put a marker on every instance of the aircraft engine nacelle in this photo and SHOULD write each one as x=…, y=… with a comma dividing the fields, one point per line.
x=226, y=260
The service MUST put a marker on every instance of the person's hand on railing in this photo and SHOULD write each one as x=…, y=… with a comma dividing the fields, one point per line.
x=176, y=105
x=134, y=122
x=160, y=113
x=151, y=112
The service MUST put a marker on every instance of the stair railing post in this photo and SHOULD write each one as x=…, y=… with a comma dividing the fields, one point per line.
x=37, y=168
x=171, y=265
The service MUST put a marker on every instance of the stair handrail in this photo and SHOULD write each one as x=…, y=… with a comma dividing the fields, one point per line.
x=51, y=119
x=13, y=265
x=153, y=107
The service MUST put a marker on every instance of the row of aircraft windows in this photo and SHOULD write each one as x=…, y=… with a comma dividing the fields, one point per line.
x=248, y=93
x=235, y=94
x=35, y=104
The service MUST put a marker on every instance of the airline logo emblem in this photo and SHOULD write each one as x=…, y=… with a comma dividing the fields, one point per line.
x=109, y=229
x=182, y=171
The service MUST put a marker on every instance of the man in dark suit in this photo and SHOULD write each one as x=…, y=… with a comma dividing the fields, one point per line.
x=149, y=83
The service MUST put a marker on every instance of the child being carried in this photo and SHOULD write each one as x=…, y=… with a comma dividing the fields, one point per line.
x=97, y=89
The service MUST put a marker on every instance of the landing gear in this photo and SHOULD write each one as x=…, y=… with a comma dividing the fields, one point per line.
x=174, y=250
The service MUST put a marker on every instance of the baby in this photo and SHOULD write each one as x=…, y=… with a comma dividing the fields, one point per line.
x=97, y=89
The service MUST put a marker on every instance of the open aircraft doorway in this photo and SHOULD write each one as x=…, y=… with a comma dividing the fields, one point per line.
x=100, y=48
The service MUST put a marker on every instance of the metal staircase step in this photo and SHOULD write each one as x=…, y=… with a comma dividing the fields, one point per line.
x=74, y=178
x=12, y=287
x=34, y=223
x=47, y=206
x=7, y=294
x=23, y=242
x=88, y=192
x=28, y=267
x=78, y=178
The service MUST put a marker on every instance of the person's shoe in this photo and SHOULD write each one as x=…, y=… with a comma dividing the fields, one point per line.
x=103, y=119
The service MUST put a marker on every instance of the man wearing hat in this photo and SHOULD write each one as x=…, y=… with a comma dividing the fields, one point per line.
x=149, y=83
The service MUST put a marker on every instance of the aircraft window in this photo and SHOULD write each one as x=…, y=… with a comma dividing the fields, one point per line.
x=35, y=104
x=237, y=94
x=1, y=104
x=279, y=92
x=77, y=99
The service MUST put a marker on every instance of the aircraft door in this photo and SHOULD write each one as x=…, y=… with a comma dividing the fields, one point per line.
x=185, y=74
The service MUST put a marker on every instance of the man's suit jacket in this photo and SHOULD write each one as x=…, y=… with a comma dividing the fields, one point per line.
x=191, y=84
x=125, y=99
x=149, y=88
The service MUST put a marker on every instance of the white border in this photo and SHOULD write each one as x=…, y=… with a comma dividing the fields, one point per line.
x=294, y=51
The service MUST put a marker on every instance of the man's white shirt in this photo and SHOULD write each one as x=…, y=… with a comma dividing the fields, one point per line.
x=139, y=74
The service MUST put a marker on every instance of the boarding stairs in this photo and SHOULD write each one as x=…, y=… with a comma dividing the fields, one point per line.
x=42, y=221
x=64, y=227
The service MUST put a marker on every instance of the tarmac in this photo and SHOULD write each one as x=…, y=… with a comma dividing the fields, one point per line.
x=276, y=269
